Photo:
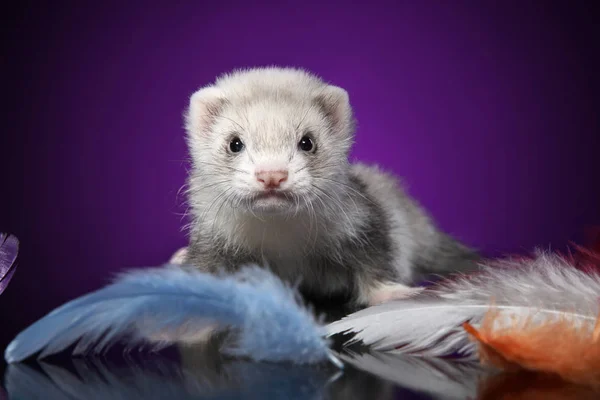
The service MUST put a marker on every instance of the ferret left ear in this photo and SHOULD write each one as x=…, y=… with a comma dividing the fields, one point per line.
x=204, y=108
x=335, y=104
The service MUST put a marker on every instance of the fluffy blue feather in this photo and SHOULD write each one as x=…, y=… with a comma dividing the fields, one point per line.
x=163, y=305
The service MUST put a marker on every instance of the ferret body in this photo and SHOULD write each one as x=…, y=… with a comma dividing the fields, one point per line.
x=271, y=184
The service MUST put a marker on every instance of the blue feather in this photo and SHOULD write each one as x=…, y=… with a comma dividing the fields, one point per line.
x=172, y=303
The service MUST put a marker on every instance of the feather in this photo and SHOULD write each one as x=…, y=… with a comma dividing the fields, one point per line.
x=546, y=285
x=529, y=345
x=166, y=306
x=9, y=249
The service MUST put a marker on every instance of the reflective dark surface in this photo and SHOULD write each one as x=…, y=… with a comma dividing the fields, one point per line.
x=202, y=373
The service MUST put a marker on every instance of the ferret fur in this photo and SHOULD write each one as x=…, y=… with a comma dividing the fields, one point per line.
x=348, y=229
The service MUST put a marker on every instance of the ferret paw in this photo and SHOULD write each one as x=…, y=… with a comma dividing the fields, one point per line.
x=391, y=291
x=179, y=256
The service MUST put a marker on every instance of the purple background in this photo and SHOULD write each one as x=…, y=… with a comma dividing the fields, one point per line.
x=488, y=111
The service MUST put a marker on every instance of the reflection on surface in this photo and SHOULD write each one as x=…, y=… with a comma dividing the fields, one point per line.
x=439, y=378
x=530, y=386
x=202, y=373
x=162, y=380
x=199, y=375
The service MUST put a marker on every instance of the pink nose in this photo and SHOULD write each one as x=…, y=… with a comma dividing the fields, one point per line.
x=271, y=179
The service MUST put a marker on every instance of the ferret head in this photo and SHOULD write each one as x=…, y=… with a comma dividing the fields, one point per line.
x=269, y=140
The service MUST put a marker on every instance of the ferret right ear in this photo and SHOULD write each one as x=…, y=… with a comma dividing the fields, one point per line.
x=334, y=102
x=204, y=108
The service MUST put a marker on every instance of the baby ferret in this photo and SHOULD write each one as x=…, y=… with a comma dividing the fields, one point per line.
x=271, y=184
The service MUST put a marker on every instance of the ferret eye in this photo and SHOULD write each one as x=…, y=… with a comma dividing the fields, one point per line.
x=236, y=145
x=306, y=144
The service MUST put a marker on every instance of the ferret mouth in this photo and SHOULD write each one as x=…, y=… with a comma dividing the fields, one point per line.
x=272, y=194
x=273, y=202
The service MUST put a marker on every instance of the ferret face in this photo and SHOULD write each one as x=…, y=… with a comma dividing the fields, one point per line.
x=274, y=149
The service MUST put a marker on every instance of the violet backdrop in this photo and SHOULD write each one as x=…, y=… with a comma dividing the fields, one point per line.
x=488, y=111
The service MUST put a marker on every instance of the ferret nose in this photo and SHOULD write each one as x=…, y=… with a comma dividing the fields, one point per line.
x=271, y=179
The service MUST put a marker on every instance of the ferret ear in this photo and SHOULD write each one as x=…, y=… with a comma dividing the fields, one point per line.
x=335, y=104
x=204, y=108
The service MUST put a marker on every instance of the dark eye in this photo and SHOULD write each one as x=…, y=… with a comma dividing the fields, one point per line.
x=236, y=145
x=306, y=144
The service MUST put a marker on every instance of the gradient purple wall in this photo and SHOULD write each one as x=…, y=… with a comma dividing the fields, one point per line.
x=488, y=111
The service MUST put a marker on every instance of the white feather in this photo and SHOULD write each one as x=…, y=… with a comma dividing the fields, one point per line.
x=546, y=286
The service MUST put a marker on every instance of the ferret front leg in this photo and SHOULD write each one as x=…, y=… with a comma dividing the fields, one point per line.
x=374, y=293
x=179, y=256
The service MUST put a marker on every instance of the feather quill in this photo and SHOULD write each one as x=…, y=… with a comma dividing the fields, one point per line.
x=9, y=249
x=547, y=286
x=163, y=306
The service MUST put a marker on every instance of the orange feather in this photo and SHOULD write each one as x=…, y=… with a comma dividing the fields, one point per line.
x=557, y=347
